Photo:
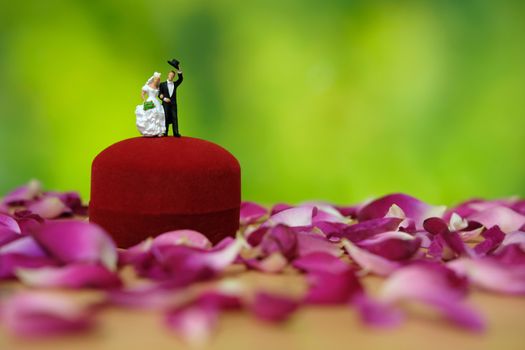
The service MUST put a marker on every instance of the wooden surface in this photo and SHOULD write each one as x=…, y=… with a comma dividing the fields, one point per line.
x=310, y=328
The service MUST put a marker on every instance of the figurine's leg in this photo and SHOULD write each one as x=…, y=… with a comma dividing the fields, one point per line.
x=167, y=119
x=175, y=122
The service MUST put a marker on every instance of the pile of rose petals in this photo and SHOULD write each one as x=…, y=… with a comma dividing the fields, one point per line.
x=426, y=254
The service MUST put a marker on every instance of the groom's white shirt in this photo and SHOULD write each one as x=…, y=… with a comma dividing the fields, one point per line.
x=171, y=86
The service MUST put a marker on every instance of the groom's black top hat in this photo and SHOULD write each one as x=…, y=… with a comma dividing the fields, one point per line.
x=175, y=63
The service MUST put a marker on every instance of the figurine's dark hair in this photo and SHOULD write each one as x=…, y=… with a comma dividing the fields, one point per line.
x=172, y=71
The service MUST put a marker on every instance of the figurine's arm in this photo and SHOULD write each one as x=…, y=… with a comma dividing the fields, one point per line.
x=143, y=95
x=179, y=78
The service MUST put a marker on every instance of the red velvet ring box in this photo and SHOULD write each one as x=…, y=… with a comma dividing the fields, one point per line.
x=143, y=186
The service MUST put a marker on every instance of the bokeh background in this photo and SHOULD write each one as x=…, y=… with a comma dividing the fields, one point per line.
x=330, y=100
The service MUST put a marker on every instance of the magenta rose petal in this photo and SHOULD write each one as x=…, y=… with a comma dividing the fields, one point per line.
x=512, y=254
x=48, y=207
x=73, y=241
x=369, y=228
x=370, y=262
x=507, y=219
x=491, y=274
x=493, y=238
x=310, y=243
x=392, y=245
x=251, y=212
x=194, y=324
x=8, y=222
x=272, y=307
x=6, y=236
x=377, y=313
x=321, y=262
x=189, y=238
x=10, y=262
x=452, y=239
x=280, y=239
x=412, y=207
x=23, y=245
x=435, y=285
x=331, y=287
x=23, y=194
x=273, y=263
x=38, y=314
x=293, y=217
x=71, y=276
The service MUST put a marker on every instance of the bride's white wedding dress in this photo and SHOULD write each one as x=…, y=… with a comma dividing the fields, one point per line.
x=152, y=121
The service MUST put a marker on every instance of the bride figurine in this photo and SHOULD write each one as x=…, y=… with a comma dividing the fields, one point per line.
x=150, y=115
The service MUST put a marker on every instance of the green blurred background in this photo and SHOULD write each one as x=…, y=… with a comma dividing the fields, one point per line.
x=331, y=100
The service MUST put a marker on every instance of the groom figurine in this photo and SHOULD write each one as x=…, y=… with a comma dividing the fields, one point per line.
x=168, y=95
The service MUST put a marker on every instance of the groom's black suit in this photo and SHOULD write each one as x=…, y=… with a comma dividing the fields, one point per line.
x=170, y=108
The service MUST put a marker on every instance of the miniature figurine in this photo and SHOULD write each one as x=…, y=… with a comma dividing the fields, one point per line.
x=150, y=115
x=168, y=95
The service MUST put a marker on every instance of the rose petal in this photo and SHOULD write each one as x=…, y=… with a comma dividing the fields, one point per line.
x=194, y=324
x=369, y=228
x=10, y=262
x=280, y=239
x=332, y=288
x=23, y=194
x=73, y=241
x=439, y=227
x=376, y=313
x=491, y=274
x=182, y=237
x=37, y=314
x=493, y=238
x=23, y=245
x=251, y=212
x=370, y=262
x=321, y=262
x=273, y=263
x=272, y=307
x=48, y=207
x=392, y=245
x=71, y=276
x=413, y=208
x=293, y=217
x=507, y=219
x=434, y=285
x=10, y=223
x=310, y=243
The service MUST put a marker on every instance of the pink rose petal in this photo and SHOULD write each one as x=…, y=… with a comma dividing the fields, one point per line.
x=491, y=275
x=73, y=241
x=413, y=208
x=321, y=262
x=369, y=228
x=376, y=313
x=37, y=314
x=272, y=307
x=71, y=276
x=251, y=212
x=436, y=286
x=392, y=245
x=49, y=207
x=293, y=217
x=8, y=222
x=370, y=262
x=331, y=287
x=507, y=219
x=194, y=324
x=23, y=194
x=182, y=237
x=310, y=243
